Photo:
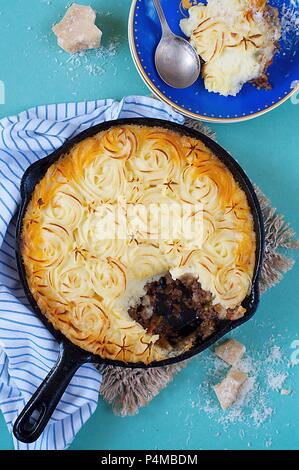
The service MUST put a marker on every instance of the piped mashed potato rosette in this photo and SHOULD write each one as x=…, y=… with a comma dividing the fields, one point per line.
x=85, y=280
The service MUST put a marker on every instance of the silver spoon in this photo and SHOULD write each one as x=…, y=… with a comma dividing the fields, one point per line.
x=176, y=60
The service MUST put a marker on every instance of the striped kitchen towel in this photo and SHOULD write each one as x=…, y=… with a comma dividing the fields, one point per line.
x=27, y=350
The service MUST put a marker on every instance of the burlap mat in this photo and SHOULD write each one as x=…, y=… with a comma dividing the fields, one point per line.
x=127, y=390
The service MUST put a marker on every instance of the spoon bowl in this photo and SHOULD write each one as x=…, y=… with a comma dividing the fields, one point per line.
x=176, y=61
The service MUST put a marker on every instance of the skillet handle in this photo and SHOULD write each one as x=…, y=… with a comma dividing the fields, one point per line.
x=35, y=416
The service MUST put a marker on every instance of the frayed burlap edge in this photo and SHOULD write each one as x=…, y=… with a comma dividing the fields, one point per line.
x=127, y=390
x=279, y=237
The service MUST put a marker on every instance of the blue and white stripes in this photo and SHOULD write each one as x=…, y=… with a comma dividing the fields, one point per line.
x=27, y=350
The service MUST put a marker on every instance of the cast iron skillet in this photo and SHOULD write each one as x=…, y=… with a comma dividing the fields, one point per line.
x=36, y=414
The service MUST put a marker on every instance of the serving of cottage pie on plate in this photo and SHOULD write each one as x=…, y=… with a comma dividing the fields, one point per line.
x=236, y=41
x=248, y=51
x=138, y=295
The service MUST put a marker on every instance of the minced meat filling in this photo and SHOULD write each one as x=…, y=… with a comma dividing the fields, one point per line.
x=175, y=309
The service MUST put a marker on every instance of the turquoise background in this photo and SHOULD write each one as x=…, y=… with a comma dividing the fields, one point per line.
x=36, y=72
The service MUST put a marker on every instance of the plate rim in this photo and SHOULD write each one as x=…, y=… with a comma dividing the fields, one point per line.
x=178, y=108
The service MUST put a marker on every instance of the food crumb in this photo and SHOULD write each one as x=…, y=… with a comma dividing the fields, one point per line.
x=260, y=416
x=268, y=443
x=275, y=355
x=276, y=381
x=94, y=63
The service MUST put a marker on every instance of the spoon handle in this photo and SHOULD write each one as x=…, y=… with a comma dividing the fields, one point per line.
x=165, y=27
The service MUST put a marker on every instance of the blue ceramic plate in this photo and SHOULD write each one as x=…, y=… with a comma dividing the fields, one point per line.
x=195, y=101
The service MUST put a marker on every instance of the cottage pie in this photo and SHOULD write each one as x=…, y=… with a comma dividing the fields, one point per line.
x=121, y=297
x=236, y=40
